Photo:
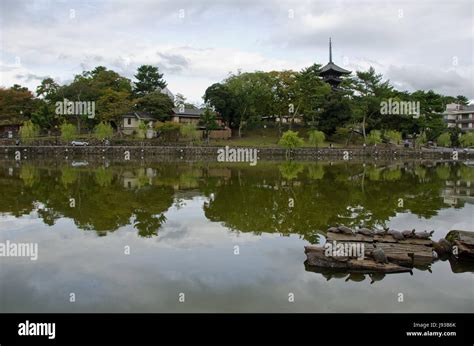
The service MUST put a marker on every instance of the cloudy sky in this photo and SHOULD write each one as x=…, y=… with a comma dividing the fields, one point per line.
x=416, y=44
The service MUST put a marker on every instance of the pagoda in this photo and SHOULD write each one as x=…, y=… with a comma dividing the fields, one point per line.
x=331, y=73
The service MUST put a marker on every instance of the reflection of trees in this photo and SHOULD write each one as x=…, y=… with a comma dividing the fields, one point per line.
x=341, y=196
x=248, y=199
x=29, y=174
x=103, y=176
x=101, y=203
x=290, y=169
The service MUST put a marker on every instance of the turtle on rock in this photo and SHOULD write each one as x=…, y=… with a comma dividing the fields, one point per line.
x=380, y=232
x=366, y=231
x=379, y=255
x=396, y=234
x=408, y=233
x=424, y=235
x=345, y=230
x=333, y=230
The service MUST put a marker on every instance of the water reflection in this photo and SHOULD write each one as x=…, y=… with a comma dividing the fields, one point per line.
x=183, y=220
x=285, y=198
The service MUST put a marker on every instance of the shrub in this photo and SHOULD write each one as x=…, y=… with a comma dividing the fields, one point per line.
x=190, y=132
x=444, y=140
x=68, y=131
x=291, y=140
x=28, y=131
x=374, y=137
x=342, y=133
x=316, y=138
x=169, y=131
x=103, y=131
x=393, y=136
x=467, y=140
x=421, y=139
x=140, y=133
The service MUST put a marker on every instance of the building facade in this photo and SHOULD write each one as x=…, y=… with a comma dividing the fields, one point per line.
x=460, y=116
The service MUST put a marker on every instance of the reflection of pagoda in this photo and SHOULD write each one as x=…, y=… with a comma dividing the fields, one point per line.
x=331, y=73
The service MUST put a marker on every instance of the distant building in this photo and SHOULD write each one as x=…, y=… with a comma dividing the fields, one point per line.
x=190, y=116
x=131, y=120
x=332, y=73
x=460, y=116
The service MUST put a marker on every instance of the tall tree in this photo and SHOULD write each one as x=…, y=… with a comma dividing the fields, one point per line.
x=370, y=91
x=149, y=79
x=16, y=104
x=220, y=97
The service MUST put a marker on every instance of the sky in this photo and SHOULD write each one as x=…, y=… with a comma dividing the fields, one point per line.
x=415, y=44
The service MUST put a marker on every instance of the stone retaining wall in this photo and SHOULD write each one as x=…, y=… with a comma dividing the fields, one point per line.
x=137, y=152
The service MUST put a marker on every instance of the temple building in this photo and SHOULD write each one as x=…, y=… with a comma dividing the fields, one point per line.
x=331, y=73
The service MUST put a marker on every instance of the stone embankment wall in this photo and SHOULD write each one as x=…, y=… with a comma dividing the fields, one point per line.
x=135, y=152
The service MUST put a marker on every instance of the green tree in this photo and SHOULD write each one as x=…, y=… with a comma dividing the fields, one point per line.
x=190, y=132
x=316, y=138
x=68, y=131
x=290, y=140
x=371, y=91
x=16, y=105
x=43, y=115
x=220, y=97
x=169, y=131
x=253, y=97
x=421, y=139
x=140, y=133
x=112, y=105
x=48, y=89
x=149, y=79
x=157, y=104
x=208, y=120
x=467, y=140
x=374, y=137
x=393, y=136
x=103, y=131
x=454, y=133
x=444, y=140
x=28, y=131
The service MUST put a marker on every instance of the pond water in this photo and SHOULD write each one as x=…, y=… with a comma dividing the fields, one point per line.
x=218, y=237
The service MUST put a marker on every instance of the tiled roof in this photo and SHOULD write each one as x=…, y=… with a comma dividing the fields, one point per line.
x=190, y=112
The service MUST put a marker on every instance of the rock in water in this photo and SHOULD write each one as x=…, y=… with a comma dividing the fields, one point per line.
x=442, y=247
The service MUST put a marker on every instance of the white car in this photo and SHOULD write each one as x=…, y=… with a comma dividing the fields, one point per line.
x=79, y=143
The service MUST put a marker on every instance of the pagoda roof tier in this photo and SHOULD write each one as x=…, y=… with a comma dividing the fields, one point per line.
x=332, y=68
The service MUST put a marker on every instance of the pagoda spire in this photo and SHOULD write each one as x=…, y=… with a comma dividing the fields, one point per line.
x=330, y=50
x=332, y=73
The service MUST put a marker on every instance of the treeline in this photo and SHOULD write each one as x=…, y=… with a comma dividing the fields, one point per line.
x=113, y=94
x=244, y=100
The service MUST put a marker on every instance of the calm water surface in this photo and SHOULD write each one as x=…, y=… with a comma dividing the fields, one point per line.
x=184, y=221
